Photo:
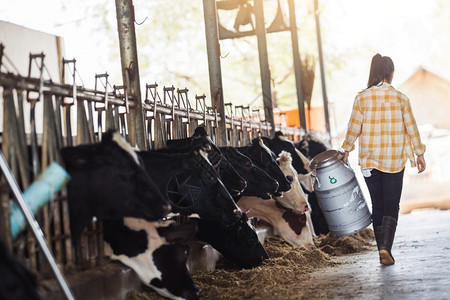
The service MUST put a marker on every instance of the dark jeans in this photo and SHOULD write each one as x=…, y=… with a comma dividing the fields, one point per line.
x=385, y=191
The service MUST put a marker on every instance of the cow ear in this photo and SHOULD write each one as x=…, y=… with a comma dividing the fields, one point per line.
x=200, y=132
x=278, y=133
x=266, y=141
x=256, y=140
x=179, y=233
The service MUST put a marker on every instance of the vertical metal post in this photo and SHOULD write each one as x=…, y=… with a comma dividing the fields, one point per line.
x=297, y=65
x=215, y=72
x=264, y=63
x=129, y=61
x=322, y=71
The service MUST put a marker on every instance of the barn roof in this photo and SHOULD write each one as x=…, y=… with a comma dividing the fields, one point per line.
x=430, y=97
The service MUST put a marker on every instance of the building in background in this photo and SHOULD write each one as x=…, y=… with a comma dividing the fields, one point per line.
x=429, y=95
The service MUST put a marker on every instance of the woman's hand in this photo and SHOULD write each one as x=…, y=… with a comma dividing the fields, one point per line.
x=421, y=165
x=345, y=158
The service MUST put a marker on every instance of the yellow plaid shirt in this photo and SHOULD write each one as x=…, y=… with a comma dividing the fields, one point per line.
x=384, y=122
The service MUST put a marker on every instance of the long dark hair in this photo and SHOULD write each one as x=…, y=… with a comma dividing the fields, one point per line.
x=381, y=68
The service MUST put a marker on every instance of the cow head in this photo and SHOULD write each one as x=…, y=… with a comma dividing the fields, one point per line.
x=292, y=227
x=109, y=182
x=201, y=180
x=156, y=251
x=264, y=158
x=234, y=183
x=192, y=184
x=238, y=243
x=295, y=228
x=259, y=183
x=232, y=180
x=282, y=143
x=311, y=145
x=295, y=198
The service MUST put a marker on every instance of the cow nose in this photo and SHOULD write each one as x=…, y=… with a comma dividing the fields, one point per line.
x=289, y=178
x=306, y=207
x=191, y=294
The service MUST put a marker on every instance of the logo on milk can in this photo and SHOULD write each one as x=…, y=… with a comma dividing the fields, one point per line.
x=332, y=180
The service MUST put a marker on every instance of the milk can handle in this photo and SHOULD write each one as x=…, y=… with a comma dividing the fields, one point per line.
x=315, y=179
x=347, y=163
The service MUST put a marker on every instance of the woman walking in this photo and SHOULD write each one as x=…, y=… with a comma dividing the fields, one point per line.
x=383, y=121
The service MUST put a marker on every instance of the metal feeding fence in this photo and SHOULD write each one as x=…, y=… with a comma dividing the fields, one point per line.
x=41, y=116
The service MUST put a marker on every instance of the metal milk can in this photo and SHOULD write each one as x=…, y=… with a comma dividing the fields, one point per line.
x=339, y=194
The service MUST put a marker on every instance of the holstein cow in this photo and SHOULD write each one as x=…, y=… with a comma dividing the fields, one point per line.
x=311, y=145
x=259, y=183
x=264, y=158
x=281, y=143
x=17, y=282
x=109, y=182
x=156, y=251
x=291, y=227
x=237, y=243
x=299, y=161
x=192, y=185
x=295, y=198
x=234, y=183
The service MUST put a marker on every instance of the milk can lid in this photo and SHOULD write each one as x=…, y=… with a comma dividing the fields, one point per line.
x=325, y=159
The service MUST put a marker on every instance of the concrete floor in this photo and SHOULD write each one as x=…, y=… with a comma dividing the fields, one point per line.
x=422, y=269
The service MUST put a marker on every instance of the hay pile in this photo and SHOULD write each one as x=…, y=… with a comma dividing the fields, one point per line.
x=279, y=277
x=354, y=243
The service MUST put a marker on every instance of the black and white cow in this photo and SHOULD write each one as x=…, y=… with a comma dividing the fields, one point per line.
x=311, y=145
x=281, y=143
x=259, y=183
x=108, y=181
x=156, y=251
x=294, y=199
x=238, y=243
x=232, y=180
x=264, y=158
x=192, y=185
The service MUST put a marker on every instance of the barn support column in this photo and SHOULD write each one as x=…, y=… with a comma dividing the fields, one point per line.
x=215, y=71
x=322, y=70
x=297, y=65
x=264, y=63
x=130, y=70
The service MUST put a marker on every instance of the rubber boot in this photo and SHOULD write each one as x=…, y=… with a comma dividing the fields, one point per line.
x=385, y=241
x=378, y=235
